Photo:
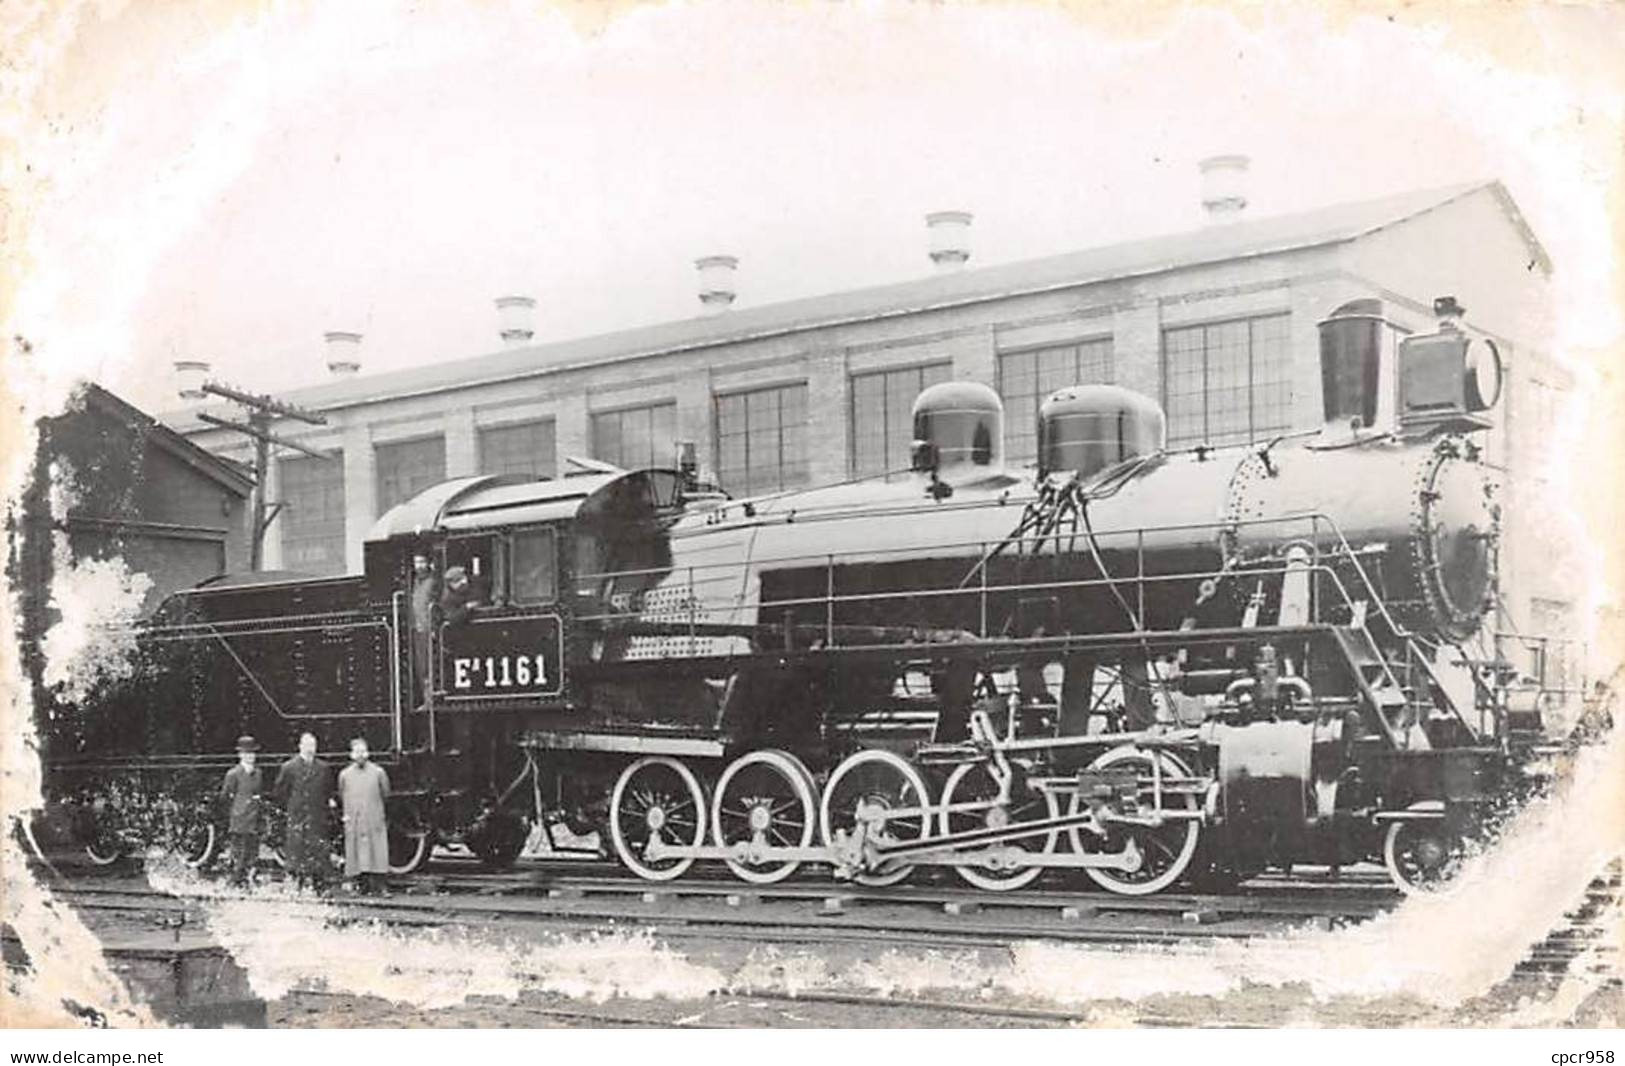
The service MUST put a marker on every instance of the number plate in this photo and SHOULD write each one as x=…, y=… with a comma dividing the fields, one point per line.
x=496, y=658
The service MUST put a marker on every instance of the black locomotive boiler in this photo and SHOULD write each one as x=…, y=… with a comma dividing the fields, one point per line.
x=1150, y=666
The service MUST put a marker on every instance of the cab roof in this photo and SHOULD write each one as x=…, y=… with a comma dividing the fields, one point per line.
x=492, y=500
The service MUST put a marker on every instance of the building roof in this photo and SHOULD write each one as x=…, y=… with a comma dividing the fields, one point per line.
x=1237, y=240
x=231, y=475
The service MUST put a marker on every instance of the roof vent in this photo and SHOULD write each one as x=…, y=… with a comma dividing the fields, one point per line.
x=343, y=353
x=516, y=320
x=1087, y=428
x=950, y=239
x=717, y=284
x=190, y=374
x=1224, y=186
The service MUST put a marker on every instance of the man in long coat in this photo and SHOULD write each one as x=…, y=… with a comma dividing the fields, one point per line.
x=425, y=597
x=241, y=790
x=304, y=788
x=363, y=788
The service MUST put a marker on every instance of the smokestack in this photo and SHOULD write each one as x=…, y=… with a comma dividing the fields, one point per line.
x=190, y=374
x=717, y=274
x=343, y=353
x=1224, y=186
x=516, y=320
x=1351, y=366
x=950, y=239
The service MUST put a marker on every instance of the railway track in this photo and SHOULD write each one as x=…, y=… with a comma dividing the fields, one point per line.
x=677, y=917
x=812, y=909
x=1587, y=944
x=838, y=1006
x=813, y=913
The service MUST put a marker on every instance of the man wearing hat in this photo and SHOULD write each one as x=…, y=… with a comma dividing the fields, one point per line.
x=242, y=789
x=425, y=593
x=458, y=598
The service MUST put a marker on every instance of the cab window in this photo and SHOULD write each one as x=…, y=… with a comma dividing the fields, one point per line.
x=477, y=557
x=535, y=573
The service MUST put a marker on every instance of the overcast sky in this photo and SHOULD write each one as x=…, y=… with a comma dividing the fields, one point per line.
x=229, y=187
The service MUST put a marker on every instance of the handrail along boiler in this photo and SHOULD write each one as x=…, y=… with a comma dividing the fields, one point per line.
x=1152, y=666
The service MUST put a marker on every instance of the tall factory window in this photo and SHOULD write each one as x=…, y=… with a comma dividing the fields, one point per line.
x=1555, y=653
x=1543, y=407
x=407, y=468
x=1026, y=378
x=637, y=437
x=1227, y=382
x=882, y=415
x=762, y=439
x=521, y=448
x=312, y=519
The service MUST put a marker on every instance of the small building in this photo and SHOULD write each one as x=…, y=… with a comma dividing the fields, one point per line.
x=126, y=486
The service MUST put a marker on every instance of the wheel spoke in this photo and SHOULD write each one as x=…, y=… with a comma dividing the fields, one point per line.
x=654, y=783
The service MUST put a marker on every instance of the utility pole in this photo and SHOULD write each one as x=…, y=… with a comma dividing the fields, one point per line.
x=262, y=412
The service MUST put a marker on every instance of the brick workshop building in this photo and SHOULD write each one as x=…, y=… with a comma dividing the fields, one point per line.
x=1218, y=324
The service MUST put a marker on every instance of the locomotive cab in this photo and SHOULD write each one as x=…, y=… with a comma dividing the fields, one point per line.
x=489, y=573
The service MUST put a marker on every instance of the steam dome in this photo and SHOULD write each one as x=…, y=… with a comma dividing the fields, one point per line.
x=960, y=427
x=1087, y=428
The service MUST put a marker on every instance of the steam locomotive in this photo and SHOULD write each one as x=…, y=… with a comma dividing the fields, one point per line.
x=1152, y=666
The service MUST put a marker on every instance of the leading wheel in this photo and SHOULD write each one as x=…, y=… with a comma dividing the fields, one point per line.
x=656, y=797
x=763, y=799
x=1422, y=856
x=875, y=779
x=1165, y=850
x=973, y=782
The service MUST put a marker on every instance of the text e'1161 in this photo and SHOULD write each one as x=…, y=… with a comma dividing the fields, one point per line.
x=498, y=672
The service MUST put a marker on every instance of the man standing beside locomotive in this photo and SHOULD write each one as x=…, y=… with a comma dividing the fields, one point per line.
x=241, y=791
x=304, y=789
x=363, y=788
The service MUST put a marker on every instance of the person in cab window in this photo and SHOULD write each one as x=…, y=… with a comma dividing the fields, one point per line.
x=458, y=598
